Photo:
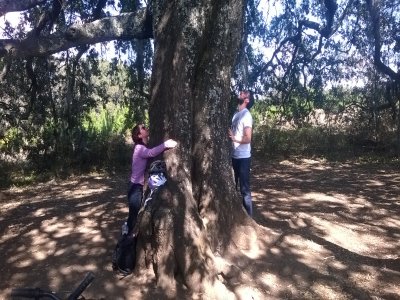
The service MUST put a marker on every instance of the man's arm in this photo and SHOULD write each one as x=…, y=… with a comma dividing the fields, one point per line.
x=246, y=138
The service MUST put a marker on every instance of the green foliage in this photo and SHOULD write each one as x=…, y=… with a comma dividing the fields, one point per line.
x=11, y=141
x=265, y=113
x=352, y=125
x=73, y=117
x=322, y=142
x=99, y=143
x=305, y=141
x=106, y=120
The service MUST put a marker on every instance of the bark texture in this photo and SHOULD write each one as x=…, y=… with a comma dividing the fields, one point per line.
x=196, y=43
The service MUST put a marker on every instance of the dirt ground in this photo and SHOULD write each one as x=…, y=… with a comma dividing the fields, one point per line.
x=326, y=231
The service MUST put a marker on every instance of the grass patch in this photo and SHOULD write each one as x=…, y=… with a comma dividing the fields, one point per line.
x=322, y=143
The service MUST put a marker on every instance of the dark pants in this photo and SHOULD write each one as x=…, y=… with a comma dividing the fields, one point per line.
x=241, y=169
x=135, y=195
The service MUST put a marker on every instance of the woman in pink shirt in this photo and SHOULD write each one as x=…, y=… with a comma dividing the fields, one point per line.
x=141, y=154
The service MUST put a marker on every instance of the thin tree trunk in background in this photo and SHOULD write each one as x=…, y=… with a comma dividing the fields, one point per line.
x=398, y=130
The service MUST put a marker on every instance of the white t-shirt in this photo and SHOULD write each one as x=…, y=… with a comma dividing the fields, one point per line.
x=240, y=121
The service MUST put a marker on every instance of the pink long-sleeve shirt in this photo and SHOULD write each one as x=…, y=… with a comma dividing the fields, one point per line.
x=139, y=161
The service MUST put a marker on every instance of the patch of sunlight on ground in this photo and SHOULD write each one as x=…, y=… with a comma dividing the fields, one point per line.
x=372, y=183
x=316, y=196
x=248, y=293
x=393, y=223
x=270, y=280
x=249, y=242
x=370, y=278
x=91, y=213
x=78, y=193
x=307, y=163
x=309, y=252
x=342, y=235
x=326, y=292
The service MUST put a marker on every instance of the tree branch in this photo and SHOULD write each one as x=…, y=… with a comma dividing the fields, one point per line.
x=375, y=23
x=331, y=8
x=34, y=85
x=6, y=69
x=124, y=26
x=97, y=12
x=47, y=18
x=7, y=6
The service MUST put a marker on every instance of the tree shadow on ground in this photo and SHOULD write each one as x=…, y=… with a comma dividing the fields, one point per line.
x=331, y=231
x=51, y=235
x=334, y=227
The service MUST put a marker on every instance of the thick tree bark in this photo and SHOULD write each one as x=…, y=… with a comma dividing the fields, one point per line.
x=196, y=44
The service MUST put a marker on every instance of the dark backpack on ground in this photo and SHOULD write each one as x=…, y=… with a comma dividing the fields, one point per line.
x=124, y=255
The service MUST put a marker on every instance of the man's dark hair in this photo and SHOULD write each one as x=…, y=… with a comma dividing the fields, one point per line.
x=251, y=98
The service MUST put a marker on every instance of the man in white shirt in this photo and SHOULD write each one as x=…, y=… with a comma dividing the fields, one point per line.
x=240, y=134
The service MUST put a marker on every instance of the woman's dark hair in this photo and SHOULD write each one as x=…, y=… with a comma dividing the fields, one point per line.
x=135, y=135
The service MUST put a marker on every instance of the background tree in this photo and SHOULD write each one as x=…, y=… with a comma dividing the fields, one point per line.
x=314, y=47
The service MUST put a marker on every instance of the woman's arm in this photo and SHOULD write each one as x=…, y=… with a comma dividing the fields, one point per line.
x=152, y=152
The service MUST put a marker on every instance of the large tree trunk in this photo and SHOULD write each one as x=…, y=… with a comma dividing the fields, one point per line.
x=197, y=215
